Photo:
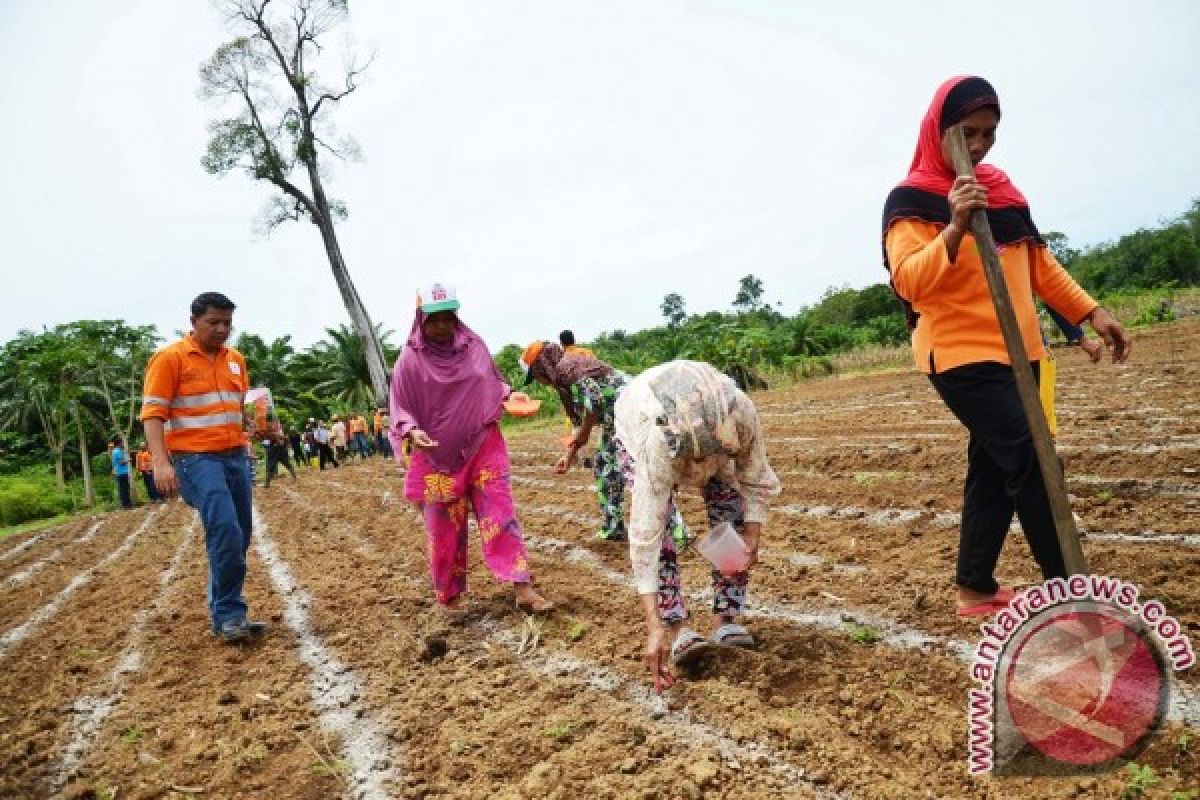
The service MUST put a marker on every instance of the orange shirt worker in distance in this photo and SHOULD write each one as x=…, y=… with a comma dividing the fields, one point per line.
x=192, y=413
x=145, y=468
x=359, y=441
x=567, y=340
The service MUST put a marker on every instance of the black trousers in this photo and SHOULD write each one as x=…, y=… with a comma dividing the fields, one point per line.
x=123, y=491
x=1002, y=474
x=276, y=455
x=298, y=453
x=151, y=489
x=325, y=454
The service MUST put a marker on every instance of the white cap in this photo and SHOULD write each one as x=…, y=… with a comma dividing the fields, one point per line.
x=437, y=297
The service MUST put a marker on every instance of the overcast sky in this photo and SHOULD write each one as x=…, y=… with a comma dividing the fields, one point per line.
x=566, y=163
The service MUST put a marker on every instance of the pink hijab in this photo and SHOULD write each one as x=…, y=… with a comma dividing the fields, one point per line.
x=929, y=171
x=453, y=392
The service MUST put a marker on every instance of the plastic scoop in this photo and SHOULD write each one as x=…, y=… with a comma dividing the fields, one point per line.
x=724, y=549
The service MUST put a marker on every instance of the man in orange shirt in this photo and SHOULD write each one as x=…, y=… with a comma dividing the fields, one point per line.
x=358, y=434
x=192, y=413
x=145, y=468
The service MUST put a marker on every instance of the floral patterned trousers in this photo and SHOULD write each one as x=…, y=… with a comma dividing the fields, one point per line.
x=481, y=485
x=723, y=502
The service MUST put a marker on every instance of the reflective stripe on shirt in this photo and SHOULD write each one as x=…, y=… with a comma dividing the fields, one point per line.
x=206, y=399
x=206, y=421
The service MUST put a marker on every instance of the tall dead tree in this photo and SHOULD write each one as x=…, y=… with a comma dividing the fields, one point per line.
x=281, y=126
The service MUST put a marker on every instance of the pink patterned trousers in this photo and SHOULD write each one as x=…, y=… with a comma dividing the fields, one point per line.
x=481, y=485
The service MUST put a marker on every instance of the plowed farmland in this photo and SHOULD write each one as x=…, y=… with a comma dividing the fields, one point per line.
x=112, y=686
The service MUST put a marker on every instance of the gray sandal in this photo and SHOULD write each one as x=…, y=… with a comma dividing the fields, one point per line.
x=688, y=644
x=732, y=634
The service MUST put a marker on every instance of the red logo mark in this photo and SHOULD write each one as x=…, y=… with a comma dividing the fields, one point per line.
x=1084, y=687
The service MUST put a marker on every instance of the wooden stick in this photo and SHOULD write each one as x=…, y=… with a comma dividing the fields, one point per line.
x=1043, y=444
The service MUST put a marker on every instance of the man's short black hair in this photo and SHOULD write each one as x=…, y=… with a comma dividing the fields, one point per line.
x=567, y=338
x=115, y=441
x=204, y=302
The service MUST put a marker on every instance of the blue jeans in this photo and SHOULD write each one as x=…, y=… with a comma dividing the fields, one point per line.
x=361, y=443
x=219, y=487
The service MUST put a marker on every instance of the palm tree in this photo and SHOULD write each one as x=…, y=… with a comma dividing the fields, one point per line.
x=270, y=365
x=336, y=368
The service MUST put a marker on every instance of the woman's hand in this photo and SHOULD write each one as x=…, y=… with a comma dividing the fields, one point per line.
x=658, y=657
x=568, y=460
x=420, y=439
x=1093, y=348
x=1107, y=328
x=565, y=463
x=966, y=195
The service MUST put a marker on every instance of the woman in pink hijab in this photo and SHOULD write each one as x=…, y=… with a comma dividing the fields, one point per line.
x=447, y=398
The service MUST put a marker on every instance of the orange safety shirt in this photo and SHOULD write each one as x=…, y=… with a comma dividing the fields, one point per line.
x=958, y=323
x=145, y=462
x=583, y=351
x=358, y=425
x=198, y=396
x=378, y=422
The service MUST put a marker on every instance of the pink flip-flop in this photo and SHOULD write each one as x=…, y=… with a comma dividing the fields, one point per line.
x=999, y=600
x=980, y=610
x=1004, y=594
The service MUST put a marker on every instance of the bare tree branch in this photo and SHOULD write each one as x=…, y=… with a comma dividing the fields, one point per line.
x=280, y=130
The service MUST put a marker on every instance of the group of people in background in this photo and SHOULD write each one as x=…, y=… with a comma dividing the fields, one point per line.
x=324, y=445
x=318, y=445
x=682, y=423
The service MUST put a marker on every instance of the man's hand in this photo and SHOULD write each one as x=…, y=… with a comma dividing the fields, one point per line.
x=165, y=479
x=1114, y=336
x=420, y=439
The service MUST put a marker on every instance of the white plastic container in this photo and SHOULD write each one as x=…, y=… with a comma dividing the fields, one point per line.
x=724, y=549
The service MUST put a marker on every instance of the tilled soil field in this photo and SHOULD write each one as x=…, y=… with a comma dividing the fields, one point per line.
x=113, y=687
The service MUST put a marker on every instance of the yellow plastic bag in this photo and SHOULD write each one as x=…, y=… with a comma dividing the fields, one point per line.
x=1047, y=375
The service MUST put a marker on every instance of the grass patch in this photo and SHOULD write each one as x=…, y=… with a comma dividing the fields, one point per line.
x=874, y=358
x=330, y=768
x=872, y=478
x=862, y=634
x=256, y=752
x=562, y=731
x=34, y=525
x=1140, y=777
x=133, y=734
x=576, y=629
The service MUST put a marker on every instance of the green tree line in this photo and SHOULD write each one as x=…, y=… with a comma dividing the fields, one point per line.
x=65, y=391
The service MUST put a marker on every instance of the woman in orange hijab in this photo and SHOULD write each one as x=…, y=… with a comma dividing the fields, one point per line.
x=937, y=274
